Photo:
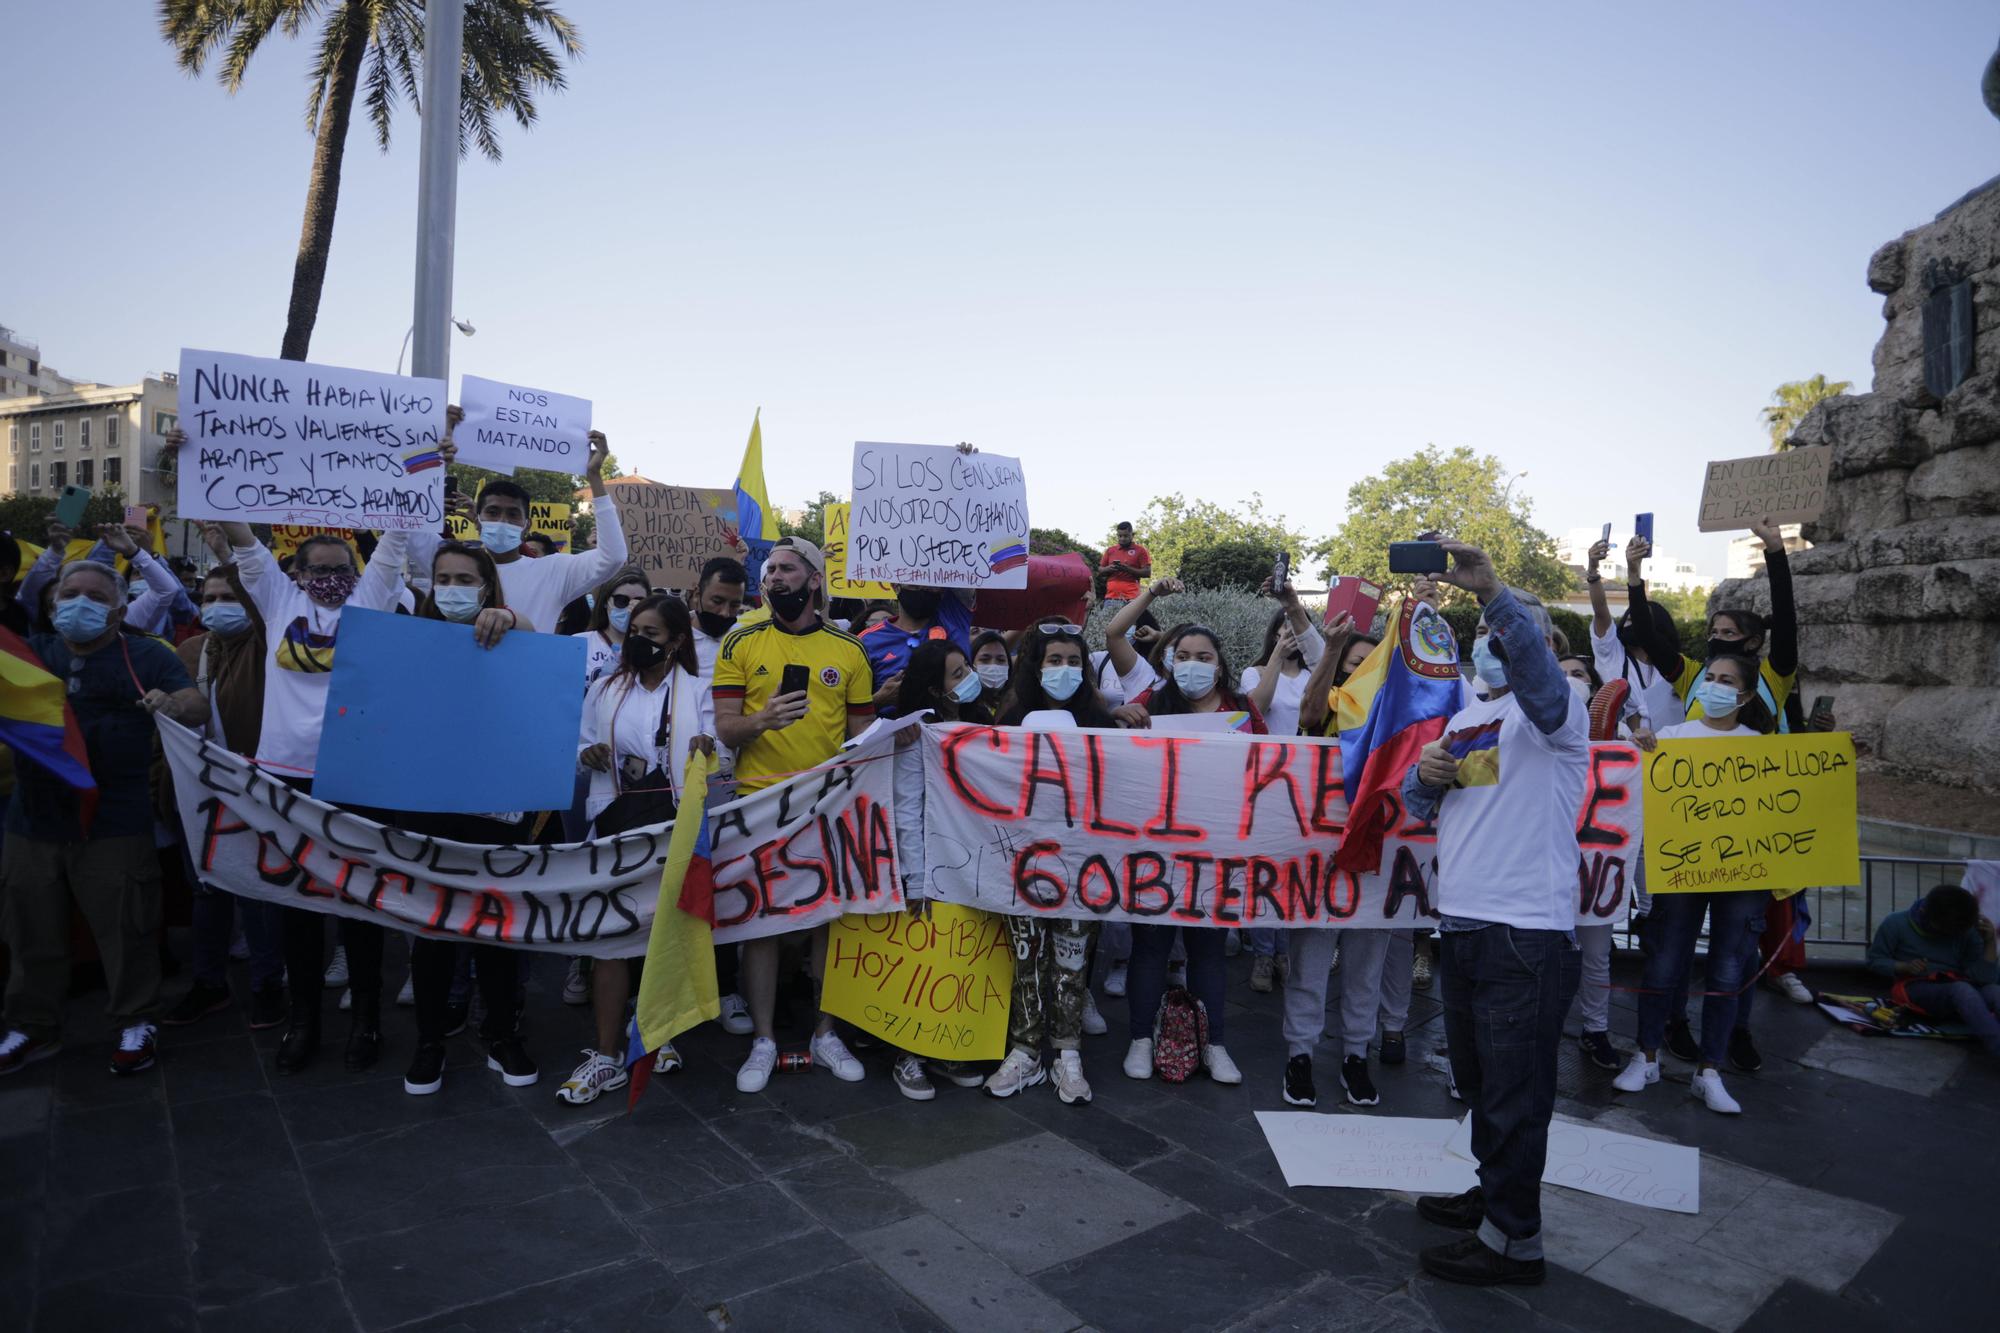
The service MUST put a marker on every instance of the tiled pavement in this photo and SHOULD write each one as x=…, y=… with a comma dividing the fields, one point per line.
x=1853, y=1194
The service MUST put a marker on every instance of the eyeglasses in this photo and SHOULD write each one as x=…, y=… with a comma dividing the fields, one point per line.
x=621, y=600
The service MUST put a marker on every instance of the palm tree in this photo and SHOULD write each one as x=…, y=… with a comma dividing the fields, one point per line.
x=507, y=62
x=1790, y=403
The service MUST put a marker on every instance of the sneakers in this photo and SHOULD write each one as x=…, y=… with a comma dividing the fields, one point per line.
x=667, y=1060
x=336, y=971
x=1072, y=1088
x=426, y=1073
x=830, y=1052
x=1638, y=1074
x=1177, y=972
x=508, y=1058
x=1793, y=989
x=756, y=1071
x=1708, y=1088
x=1093, y=1022
x=957, y=1072
x=1460, y=1212
x=296, y=1050
x=912, y=1081
x=346, y=1000
x=1299, y=1090
x=1598, y=1050
x=1354, y=1081
x=407, y=996
x=1420, y=971
x=135, y=1049
x=1139, y=1058
x=18, y=1050
x=576, y=986
x=1114, y=982
x=1474, y=1263
x=735, y=1017
x=1743, y=1051
x=1395, y=1050
x=1220, y=1067
x=267, y=1006
x=1262, y=968
x=200, y=1001
x=597, y=1075
x=1020, y=1071
x=1680, y=1041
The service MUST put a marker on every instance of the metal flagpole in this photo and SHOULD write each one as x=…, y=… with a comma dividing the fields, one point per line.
x=437, y=185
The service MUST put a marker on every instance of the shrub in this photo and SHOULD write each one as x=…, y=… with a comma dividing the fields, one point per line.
x=1238, y=565
x=1238, y=619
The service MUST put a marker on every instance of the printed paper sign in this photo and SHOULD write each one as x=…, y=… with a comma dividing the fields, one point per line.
x=936, y=985
x=273, y=441
x=926, y=513
x=837, y=518
x=672, y=531
x=1785, y=488
x=1752, y=812
x=508, y=426
x=285, y=538
x=1374, y=1152
x=1611, y=1165
x=544, y=516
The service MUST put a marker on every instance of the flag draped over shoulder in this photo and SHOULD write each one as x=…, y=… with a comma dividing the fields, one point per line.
x=677, y=989
x=1396, y=702
x=37, y=723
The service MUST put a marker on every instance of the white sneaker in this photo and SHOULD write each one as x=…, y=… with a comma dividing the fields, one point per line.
x=1795, y=990
x=735, y=1018
x=830, y=1052
x=1637, y=1074
x=1139, y=1059
x=1019, y=1071
x=597, y=1075
x=756, y=1071
x=576, y=986
x=912, y=1081
x=667, y=1060
x=1071, y=1086
x=1177, y=973
x=1708, y=1086
x=408, y=995
x=346, y=1000
x=1114, y=983
x=1093, y=1022
x=336, y=971
x=1220, y=1067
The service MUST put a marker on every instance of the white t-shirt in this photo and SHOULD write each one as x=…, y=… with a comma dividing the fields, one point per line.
x=1507, y=840
x=705, y=650
x=600, y=655
x=1653, y=693
x=1282, y=717
x=1116, y=689
x=299, y=646
x=1699, y=730
x=537, y=589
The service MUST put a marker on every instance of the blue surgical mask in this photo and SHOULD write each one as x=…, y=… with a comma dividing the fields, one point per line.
x=1717, y=699
x=968, y=688
x=500, y=538
x=620, y=617
x=993, y=674
x=225, y=618
x=1487, y=663
x=459, y=603
x=80, y=620
x=1060, y=682
x=1195, y=679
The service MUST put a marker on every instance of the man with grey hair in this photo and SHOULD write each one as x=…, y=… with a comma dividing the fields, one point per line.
x=1503, y=785
x=57, y=852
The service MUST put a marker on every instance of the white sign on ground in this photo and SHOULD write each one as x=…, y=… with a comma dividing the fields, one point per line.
x=1372, y=1152
x=1617, y=1166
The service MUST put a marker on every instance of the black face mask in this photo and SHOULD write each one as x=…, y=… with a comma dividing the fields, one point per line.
x=919, y=603
x=1296, y=656
x=788, y=605
x=713, y=624
x=641, y=653
x=1625, y=637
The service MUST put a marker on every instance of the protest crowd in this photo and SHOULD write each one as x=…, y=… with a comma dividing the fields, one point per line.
x=763, y=682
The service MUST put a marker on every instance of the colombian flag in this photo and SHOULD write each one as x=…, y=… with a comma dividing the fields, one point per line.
x=1395, y=703
x=677, y=989
x=36, y=721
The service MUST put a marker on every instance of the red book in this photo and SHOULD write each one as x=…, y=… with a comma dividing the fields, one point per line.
x=1357, y=597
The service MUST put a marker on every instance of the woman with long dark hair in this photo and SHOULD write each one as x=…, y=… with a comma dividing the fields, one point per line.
x=611, y=608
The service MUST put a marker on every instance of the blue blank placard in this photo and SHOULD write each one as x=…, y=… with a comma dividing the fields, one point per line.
x=419, y=717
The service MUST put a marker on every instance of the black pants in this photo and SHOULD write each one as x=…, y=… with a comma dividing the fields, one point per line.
x=305, y=963
x=431, y=965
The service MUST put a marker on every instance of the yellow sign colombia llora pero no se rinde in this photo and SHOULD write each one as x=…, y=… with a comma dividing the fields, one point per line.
x=1751, y=812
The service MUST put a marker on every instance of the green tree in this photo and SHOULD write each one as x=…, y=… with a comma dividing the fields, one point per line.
x=812, y=523
x=1235, y=563
x=1054, y=541
x=371, y=49
x=1790, y=403
x=1460, y=494
x=1171, y=526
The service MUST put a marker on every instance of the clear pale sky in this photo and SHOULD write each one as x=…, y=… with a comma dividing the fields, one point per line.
x=1148, y=247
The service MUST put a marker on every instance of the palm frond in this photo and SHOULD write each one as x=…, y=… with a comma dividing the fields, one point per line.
x=258, y=18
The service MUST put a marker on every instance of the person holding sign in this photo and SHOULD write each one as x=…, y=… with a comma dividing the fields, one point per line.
x=611, y=609
x=1730, y=705
x=1503, y=785
x=789, y=691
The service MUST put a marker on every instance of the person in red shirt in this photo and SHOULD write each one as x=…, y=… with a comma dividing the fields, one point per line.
x=1125, y=564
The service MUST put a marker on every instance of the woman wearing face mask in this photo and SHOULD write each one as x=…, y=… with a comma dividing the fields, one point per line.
x=1131, y=642
x=994, y=666
x=640, y=723
x=610, y=616
x=1730, y=708
x=1617, y=650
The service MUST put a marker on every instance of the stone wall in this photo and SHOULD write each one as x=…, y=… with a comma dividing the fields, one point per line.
x=1899, y=599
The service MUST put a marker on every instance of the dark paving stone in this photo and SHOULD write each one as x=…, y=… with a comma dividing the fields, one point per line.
x=1923, y=1275
x=772, y=1140
x=1796, y=1306
x=226, y=1066
x=846, y=1195
x=254, y=1237
x=749, y=1271
x=102, y=1233
x=476, y=1254
x=1215, y=1136
x=1328, y=1306
x=344, y=1106
x=635, y=1293
x=1329, y=1246
x=83, y=1079
x=25, y=1107
x=688, y=1235
x=853, y=1299
x=1215, y=1190
x=153, y=1297
x=318, y=1308
x=113, y=1147
x=660, y=1154
x=231, y=1139
x=1094, y=1128
x=911, y=1134
x=1210, y=1274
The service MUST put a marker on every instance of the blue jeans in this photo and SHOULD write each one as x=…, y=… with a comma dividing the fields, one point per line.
x=213, y=913
x=1505, y=992
x=1674, y=925
x=1262, y=941
x=1146, y=978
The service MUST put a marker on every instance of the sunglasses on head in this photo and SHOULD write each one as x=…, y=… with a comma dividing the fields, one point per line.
x=1061, y=628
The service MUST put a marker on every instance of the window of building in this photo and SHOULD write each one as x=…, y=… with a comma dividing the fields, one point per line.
x=83, y=470
x=13, y=476
x=1949, y=326
x=34, y=437
x=164, y=422
x=111, y=431
x=58, y=475
x=59, y=436
x=13, y=437
x=83, y=433
x=34, y=476
x=112, y=467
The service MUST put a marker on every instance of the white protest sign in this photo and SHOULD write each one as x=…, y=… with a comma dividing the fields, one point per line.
x=1982, y=881
x=509, y=425
x=1376, y=1152
x=273, y=441
x=1617, y=1166
x=926, y=513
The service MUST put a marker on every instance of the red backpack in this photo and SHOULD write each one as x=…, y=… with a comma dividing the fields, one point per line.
x=1180, y=1034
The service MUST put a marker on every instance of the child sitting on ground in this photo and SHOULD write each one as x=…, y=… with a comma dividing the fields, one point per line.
x=1940, y=954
